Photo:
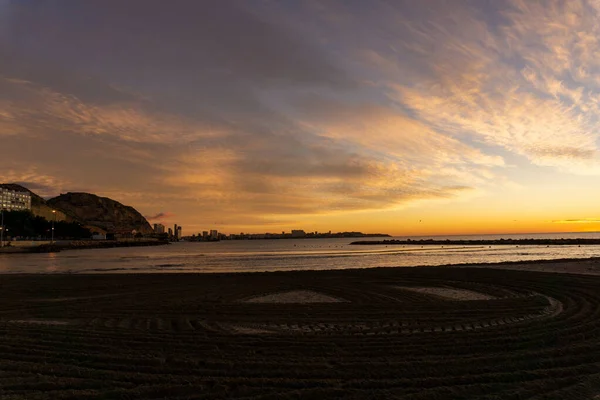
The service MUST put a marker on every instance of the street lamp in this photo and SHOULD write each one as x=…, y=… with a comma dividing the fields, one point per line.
x=2, y=228
x=53, y=219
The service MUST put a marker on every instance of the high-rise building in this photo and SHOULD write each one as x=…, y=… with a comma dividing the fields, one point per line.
x=170, y=232
x=205, y=235
x=176, y=232
x=13, y=200
x=214, y=234
x=159, y=229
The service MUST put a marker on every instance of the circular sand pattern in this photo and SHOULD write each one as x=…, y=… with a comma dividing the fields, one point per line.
x=531, y=336
x=527, y=306
x=449, y=293
x=294, y=297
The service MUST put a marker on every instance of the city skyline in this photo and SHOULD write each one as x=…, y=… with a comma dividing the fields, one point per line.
x=399, y=117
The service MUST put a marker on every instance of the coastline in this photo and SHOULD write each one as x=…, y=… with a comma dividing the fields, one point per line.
x=575, y=266
x=80, y=245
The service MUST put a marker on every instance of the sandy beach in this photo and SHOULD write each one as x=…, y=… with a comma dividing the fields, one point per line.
x=429, y=332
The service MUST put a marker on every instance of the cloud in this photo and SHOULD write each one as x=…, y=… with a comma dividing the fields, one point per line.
x=33, y=108
x=389, y=132
x=151, y=42
x=252, y=113
x=205, y=134
x=577, y=221
x=160, y=216
x=34, y=179
x=513, y=84
x=249, y=171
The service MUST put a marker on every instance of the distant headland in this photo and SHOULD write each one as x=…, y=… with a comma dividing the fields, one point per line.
x=71, y=220
x=99, y=215
x=294, y=234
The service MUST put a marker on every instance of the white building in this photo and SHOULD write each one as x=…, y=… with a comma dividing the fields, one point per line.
x=12, y=200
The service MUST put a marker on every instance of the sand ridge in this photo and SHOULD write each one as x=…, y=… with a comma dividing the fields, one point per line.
x=39, y=322
x=295, y=296
x=246, y=330
x=449, y=293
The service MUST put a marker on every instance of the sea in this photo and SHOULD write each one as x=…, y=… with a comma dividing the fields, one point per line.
x=289, y=254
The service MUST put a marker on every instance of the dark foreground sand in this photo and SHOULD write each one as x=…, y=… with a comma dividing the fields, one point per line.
x=406, y=333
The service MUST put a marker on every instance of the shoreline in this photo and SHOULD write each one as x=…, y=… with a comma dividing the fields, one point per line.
x=79, y=245
x=576, y=266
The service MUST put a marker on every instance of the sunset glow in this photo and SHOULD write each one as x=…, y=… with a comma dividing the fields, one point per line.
x=399, y=117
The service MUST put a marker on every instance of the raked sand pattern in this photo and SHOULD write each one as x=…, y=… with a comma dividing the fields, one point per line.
x=449, y=293
x=537, y=335
x=295, y=297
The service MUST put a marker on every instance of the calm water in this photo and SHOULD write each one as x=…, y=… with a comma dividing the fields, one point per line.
x=280, y=255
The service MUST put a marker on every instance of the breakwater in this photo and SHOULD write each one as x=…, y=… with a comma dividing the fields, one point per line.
x=483, y=242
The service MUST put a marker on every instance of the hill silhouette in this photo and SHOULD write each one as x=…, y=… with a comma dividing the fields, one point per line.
x=92, y=211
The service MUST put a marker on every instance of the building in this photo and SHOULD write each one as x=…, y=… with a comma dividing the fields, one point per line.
x=204, y=235
x=13, y=200
x=214, y=234
x=123, y=233
x=159, y=229
x=170, y=232
x=298, y=233
x=176, y=232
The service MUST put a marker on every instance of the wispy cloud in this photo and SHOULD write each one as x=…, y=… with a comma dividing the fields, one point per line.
x=160, y=216
x=516, y=88
x=36, y=180
x=578, y=221
x=30, y=109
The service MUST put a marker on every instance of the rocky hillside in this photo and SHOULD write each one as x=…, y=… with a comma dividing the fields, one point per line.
x=102, y=212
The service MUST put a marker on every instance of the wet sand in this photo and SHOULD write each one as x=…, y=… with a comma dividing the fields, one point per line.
x=590, y=266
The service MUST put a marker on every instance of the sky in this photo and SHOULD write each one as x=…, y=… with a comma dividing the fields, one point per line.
x=401, y=117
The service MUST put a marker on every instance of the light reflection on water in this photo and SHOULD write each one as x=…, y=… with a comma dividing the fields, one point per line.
x=274, y=255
